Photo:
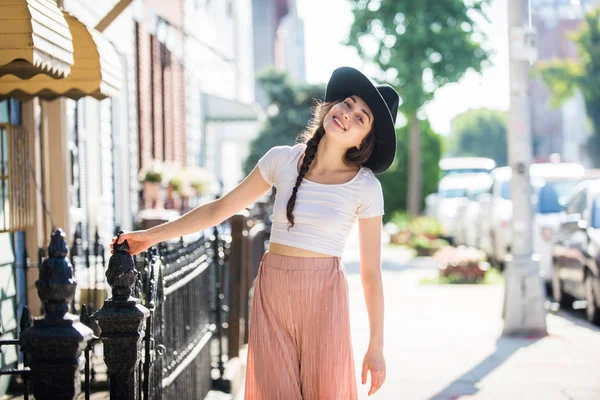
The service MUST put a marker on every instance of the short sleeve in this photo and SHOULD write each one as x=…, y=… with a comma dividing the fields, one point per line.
x=273, y=159
x=371, y=202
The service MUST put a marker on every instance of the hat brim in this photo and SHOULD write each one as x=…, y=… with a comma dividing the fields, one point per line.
x=346, y=81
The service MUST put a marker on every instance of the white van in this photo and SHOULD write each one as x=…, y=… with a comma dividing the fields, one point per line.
x=454, y=166
x=466, y=165
x=451, y=199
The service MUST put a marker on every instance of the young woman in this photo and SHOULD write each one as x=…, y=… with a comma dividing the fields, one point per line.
x=299, y=339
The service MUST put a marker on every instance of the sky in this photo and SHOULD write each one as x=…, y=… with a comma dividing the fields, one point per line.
x=327, y=23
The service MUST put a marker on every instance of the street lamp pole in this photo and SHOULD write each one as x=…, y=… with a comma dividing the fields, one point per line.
x=524, y=311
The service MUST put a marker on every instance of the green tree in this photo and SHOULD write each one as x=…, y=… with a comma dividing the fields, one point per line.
x=290, y=110
x=419, y=47
x=565, y=77
x=480, y=133
x=394, y=181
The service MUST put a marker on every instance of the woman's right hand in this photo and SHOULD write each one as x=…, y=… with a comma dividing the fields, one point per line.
x=137, y=241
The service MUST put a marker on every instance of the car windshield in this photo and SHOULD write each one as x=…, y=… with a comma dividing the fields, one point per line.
x=452, y=193
x=464, y=171
x=553, y=195
x=596, y=214
x=505, y=190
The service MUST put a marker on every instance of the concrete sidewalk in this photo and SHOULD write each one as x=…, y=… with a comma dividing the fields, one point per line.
x=444, y=342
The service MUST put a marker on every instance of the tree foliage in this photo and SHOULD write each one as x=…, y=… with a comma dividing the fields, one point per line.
x=418, y=48
x=395, y=180
x=480, y=133
x=290, y=110
x=565, y=77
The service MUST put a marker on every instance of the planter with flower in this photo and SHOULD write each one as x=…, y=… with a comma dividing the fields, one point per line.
x=426, y=226
x=420, y=233
x=400, y=229
x=152, y=178
x=461, y=265
x=198, y=187
x=175, y=184
x=200, y=181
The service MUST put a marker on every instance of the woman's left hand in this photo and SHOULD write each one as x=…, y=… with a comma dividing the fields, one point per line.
x=375, y=363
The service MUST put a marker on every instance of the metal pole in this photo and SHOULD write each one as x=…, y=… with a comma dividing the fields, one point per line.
x=524, y=311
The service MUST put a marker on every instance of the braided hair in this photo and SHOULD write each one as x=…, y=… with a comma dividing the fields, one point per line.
x=312, y=137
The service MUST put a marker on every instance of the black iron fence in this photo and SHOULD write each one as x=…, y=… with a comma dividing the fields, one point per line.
x=176, y=314
x=89, y=267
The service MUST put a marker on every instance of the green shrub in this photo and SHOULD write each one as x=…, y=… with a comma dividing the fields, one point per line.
x=153, y=177
x=420, y=242
x=439, y=243
x=176, y=184
x=401, y=220
x=426, y=226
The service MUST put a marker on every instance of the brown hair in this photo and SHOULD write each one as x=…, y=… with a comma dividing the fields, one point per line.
x=312, y=136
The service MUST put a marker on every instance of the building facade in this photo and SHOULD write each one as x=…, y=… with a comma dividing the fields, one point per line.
x=563, y=130
x=173, y=83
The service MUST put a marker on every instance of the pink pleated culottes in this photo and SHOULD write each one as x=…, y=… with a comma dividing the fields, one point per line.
x=300, y=346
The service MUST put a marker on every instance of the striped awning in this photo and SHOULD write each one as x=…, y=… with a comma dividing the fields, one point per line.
x=96, y=70
x=34, y=39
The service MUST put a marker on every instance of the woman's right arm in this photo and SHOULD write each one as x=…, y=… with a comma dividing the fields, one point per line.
x=252, y=188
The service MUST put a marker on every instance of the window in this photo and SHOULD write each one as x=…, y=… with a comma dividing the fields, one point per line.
x=577, y=203
x=15, y=199
x=596, y=213
x=464, y=171
x=505, y=190
x=552, y=197
x=452, y=193
x=15, y=205
x=10, y=112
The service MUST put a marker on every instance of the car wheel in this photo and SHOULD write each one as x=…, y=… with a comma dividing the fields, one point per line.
x=592, y=310
x=562, y=298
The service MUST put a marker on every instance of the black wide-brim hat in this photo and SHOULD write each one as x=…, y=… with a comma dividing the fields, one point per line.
x=383, y=101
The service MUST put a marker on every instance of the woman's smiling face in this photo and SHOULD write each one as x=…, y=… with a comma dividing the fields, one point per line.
x=349, y=121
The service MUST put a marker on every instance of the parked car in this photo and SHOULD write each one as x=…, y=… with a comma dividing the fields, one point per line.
x=553, y=183
x=576, y=251
x=469, y=211
x=496, y=215
x=466, y=165
x=451, y=196
x=454, y=166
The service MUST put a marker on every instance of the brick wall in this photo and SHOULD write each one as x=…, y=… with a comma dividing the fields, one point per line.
x=144, y=81
x=171, y=11
x=179, y=121
x=161, y=99
x=157, y=100
x=168, y=94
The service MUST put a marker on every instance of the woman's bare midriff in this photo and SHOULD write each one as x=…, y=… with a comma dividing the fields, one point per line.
x=291, y=251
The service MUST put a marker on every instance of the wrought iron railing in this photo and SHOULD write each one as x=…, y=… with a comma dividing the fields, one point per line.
x=177, y=313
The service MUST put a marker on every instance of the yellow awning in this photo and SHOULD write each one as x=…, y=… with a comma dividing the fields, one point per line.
x=96, y=70
x=34, y=39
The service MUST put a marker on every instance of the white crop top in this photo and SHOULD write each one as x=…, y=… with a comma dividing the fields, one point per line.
x=324, y=213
